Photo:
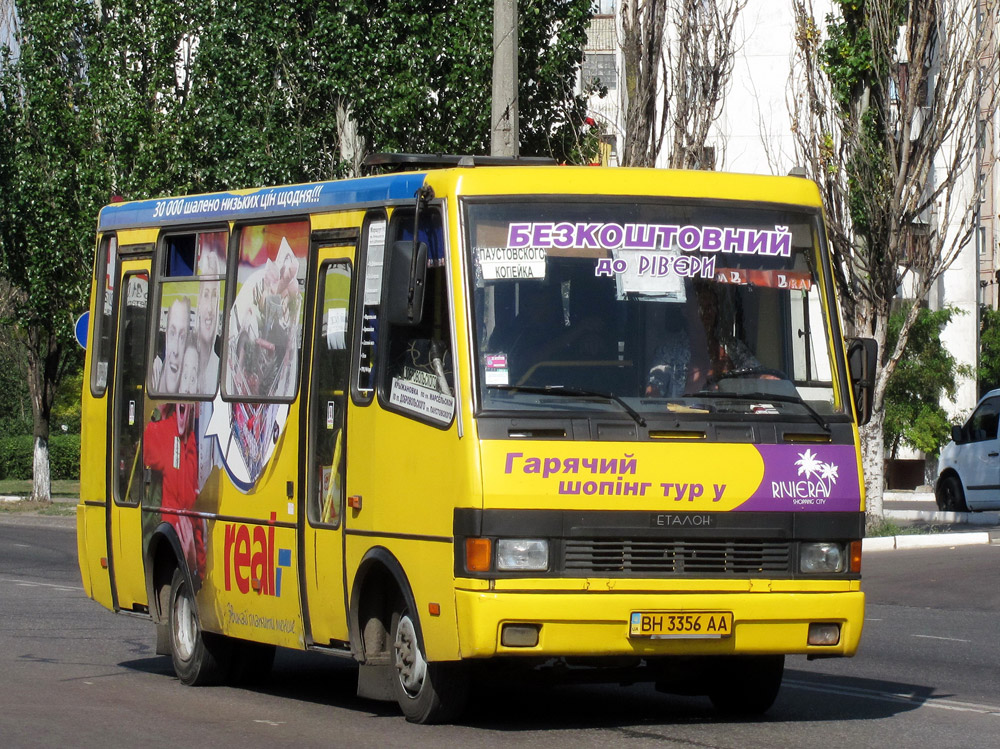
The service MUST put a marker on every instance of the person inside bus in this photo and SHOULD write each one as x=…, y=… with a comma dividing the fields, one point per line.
x=170, y=448
x=679, y=359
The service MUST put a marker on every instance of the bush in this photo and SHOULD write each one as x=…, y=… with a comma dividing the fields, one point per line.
x=17, y=456
x=64, y=457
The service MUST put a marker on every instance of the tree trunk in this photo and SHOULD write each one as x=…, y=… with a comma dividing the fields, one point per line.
x=45, y=359
x=873, y=464
x=41, y=490
x=873, y=433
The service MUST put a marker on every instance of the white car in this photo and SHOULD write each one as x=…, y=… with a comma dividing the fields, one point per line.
x=969, y=466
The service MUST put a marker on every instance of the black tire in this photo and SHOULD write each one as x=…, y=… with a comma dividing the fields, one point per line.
x=950, y=496
x=199, y=658
x=746, y=686
x=426, y=692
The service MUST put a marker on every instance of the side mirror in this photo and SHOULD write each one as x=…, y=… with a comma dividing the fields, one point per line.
x=862, y=358
x=407, y=276
x=957, y=434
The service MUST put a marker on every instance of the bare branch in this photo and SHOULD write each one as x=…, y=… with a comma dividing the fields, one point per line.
x=675, y=86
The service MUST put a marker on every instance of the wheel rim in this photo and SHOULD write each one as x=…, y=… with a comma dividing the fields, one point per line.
x=410, y=663
x=185, y=626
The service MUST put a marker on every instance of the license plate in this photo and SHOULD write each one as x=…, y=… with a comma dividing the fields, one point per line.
x=676, y=624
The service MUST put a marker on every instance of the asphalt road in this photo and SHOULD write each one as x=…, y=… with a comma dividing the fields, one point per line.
x=73, y=674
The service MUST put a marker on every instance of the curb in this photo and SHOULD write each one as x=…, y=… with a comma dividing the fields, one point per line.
x=930, y=540
x=949, y=518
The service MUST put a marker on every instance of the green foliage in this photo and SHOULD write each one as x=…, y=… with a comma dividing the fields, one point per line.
x=989, y=350
x=15, y=401
x=846, y=55
x=927, y=372
x=17, y=453
x=255, y=101
x=49, y=167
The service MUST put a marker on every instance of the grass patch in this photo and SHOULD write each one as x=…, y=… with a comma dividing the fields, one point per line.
x=26, y=507
x=886, y=527
x=22, y=488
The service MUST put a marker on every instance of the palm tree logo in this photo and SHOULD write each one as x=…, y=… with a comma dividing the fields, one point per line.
x=811, y=466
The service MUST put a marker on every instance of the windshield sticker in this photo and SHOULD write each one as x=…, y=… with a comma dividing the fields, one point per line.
x=422, y=401
x=770, y=279
x=502, y=263
x=611, y=236
x=763, y=408
x=496, y=369
x=659, y=274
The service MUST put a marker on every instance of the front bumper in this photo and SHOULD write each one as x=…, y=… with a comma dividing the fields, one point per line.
x=597, y=623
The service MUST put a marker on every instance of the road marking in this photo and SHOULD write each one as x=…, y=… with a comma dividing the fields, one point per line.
x=908, y=699
x=935, y=637
x=36, y=584
x=271, y=722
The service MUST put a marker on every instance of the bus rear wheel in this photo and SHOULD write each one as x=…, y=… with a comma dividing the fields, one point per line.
x=746, y=685
x=426, y=692
x=199, y=658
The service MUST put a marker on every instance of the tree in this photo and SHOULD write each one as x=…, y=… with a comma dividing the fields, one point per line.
x=197, y=95
x=48, y=173
x=885, y=113
x=913, y=412
x=989, y=350
x=155, y=97
x=678, y=59
x=424, y=85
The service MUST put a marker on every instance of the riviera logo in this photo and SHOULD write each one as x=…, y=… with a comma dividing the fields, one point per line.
x=816, y=485
x=251, y=557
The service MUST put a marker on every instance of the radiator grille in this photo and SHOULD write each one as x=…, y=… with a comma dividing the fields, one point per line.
x=675, y=557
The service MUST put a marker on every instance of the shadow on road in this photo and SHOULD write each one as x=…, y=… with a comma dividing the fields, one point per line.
x=509, y=705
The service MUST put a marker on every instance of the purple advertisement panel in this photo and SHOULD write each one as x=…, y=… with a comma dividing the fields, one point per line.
x=801, y=478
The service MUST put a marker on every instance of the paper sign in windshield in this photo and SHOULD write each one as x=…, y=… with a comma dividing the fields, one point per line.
x=423, y=401
x=503, y=263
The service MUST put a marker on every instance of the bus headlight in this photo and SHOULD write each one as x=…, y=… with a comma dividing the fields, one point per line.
x=522, y=554
x=821, y=557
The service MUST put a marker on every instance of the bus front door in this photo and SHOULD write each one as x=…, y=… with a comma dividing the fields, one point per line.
x=325, y=598
x=126, y=467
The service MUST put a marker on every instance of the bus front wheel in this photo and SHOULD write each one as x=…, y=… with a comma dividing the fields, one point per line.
x=746, y=685
x=199, y=657
x=426, y=692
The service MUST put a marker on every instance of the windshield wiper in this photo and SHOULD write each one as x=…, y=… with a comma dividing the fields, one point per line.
x=576, y=392
x=817, y=417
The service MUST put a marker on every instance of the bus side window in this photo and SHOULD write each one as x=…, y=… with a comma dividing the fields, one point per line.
x=418, y=376
x=104, y=314
x=264, y=332
x=366, y=353
x=190, y=292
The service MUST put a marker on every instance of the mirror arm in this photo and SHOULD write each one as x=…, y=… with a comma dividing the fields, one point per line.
x=425, y=193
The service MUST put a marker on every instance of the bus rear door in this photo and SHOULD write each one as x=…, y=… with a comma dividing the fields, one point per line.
x=126, y=479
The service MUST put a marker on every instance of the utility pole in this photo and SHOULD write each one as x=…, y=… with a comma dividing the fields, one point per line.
x=504, y=136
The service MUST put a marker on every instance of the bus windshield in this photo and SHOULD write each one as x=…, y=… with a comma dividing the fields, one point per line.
x=651, y=306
